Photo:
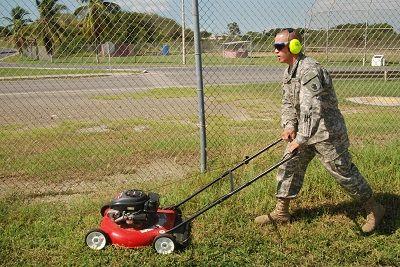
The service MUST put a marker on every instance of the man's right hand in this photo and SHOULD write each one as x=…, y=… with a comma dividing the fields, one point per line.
x=288, y=135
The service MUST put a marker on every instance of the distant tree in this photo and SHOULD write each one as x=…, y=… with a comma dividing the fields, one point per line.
x=205, y=34
x=4, y=32
x=18, y=22
x=189, y=35
x=140, y=28
x=251, y=36
x=233, y=29
x=48, y=23
x=96, y=17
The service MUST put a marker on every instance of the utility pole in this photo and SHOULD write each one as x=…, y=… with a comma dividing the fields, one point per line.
x=183, y=32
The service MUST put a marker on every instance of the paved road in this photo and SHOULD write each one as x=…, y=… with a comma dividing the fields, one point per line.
x=45, y=101
x=162, y=77
x=156, y=77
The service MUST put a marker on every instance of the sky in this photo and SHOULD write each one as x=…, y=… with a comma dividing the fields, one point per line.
x=251, y=15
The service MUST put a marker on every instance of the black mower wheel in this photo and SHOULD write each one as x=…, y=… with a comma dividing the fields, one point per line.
x=164, y=244
x=96, y=239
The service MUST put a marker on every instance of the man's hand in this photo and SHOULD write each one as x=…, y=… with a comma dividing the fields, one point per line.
x=293, y=146
x=288, y=135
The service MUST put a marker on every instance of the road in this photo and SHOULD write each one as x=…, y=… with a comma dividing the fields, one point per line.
x=45, y=101
x=166, y=77
x=156, y=77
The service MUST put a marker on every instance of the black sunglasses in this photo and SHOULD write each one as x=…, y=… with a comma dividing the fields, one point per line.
x=280, y=46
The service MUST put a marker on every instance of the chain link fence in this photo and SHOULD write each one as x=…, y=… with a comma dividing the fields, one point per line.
x=104, y=94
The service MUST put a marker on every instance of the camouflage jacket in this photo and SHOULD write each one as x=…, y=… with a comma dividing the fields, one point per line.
x=310, y=105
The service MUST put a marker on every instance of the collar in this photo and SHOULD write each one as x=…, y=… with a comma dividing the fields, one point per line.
x=292, y=71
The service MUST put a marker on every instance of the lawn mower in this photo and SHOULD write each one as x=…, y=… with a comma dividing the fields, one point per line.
x=134, y=219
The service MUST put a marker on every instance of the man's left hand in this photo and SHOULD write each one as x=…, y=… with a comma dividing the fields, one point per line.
x=293, y=146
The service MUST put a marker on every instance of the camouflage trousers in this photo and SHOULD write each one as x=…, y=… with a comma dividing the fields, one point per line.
x=336, y=160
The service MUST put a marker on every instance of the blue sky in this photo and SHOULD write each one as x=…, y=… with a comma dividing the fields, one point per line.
x=251, y=15
x=254, y=15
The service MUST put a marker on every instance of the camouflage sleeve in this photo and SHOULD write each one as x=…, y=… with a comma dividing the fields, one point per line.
x=310, y=105
x=288, y=118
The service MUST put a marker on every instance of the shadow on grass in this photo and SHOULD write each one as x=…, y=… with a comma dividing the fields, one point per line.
x=391, y=220
x=351, y=209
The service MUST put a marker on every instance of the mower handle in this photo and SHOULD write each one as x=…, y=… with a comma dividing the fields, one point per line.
x=284, y=159
x=246, y=160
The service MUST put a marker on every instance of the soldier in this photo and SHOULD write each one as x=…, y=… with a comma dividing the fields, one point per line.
x=313, y=124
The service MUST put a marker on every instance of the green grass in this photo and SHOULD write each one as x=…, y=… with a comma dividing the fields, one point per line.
x=156, y=93
x=208, y=59
x=22, y=72
x=174, y=60
x=49, y=228
x=325, y=230
x=6, y=43
x=266, y=92
x=65, y=152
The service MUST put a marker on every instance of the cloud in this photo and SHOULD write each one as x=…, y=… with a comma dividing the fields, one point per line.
x=151, y=6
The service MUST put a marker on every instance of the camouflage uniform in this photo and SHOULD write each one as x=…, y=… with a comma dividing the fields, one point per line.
x=310, y=107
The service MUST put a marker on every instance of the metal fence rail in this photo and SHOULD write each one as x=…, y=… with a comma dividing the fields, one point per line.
x=109, y=93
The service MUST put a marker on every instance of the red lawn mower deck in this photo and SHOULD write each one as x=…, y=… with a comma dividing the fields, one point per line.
x=133, y=220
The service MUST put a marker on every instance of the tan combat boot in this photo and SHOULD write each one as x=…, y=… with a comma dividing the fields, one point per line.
x=279, y=215
x=375, y=213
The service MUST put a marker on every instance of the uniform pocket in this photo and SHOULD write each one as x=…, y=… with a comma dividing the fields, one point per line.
x=342, y=164
x=307, y=124
x=296, y=92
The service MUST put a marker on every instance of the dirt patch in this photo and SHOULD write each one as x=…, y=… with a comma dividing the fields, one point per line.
x=95, y=129
x=42, y=191
x=376, y=100
x=141, y=128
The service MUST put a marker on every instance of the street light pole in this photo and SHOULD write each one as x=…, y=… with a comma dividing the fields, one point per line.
x=183, y=32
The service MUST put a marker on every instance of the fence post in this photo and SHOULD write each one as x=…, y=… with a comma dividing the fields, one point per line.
x=200, y=90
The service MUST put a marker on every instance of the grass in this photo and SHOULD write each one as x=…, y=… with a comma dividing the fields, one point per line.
x=64, y=151
x=156, y=93
x=48, y=228
x=173, y=60
x=6, y=43
x=67, y=153
x=23, y=72
x=325, y=230
x=208, y=59
x=267, y=91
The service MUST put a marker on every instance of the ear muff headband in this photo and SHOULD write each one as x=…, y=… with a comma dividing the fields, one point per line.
x=295, y=45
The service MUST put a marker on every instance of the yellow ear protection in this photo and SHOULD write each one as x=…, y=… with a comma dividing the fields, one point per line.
x=295, y=45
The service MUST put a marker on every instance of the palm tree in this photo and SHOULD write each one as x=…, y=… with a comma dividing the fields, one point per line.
x=48, y=23
x=17, y=25
x=96, y=17
x=233, y=29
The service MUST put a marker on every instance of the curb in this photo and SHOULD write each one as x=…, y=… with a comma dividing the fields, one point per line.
x=38, y=77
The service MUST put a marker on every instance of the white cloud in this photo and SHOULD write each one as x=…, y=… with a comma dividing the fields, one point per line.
x=151, y=6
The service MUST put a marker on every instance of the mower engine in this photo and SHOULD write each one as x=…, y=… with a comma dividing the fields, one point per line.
x=133, y=208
